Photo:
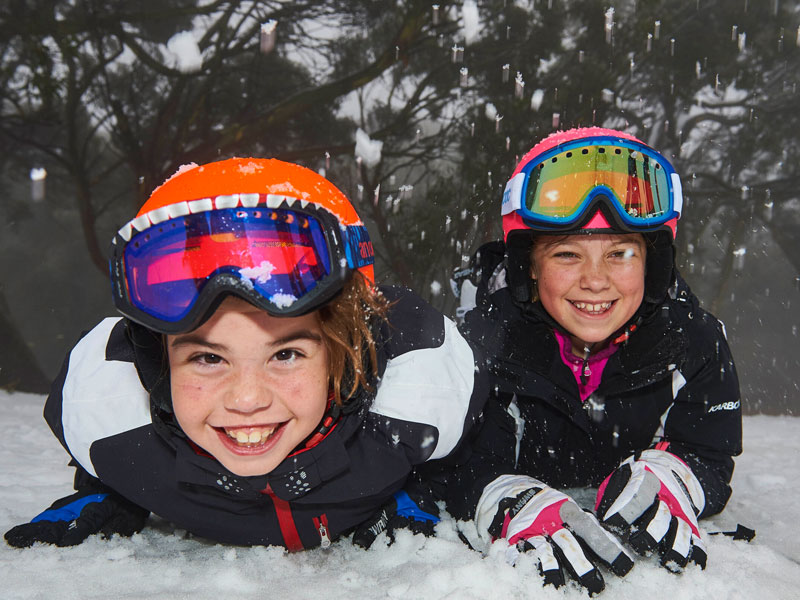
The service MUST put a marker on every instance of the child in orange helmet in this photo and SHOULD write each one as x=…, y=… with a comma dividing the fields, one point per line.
x=258, y=389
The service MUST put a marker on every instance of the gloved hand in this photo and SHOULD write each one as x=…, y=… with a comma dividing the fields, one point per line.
x=534, y=517
x=69, y=521
x=656, y=497
x=412, y=508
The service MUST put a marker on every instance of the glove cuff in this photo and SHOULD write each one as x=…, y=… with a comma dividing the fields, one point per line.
x=668, y=468
x=406, y=507
x=61, y=511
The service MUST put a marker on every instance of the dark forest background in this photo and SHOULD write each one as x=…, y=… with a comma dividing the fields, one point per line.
x=102, y=98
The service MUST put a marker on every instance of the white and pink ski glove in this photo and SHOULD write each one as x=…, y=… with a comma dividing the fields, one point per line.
x=655, y=498
x=533, y=517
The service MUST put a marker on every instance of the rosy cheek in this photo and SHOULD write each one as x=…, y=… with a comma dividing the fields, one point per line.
x=635, y=278
x=187, y=397
x=554, y=280
x=182, y=383
x=307, y=388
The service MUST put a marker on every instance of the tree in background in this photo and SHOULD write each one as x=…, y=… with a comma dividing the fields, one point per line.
x=111, y=97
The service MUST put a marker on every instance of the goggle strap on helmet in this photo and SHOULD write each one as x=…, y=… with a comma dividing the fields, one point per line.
x=359, y=249
x=512, y=194
x=677, y=194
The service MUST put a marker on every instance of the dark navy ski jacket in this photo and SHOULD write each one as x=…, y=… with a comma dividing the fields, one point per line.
x=673, y=381
x=428, y=396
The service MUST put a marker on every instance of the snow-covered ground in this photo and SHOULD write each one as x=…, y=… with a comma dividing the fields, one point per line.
x=165, y=563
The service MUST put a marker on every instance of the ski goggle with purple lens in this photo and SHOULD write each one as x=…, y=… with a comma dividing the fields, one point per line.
x=555, y=189
x=289, y=261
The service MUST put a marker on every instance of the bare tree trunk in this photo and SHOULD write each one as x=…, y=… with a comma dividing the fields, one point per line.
x=19, y=369
x=728, y=265
x=88, y=218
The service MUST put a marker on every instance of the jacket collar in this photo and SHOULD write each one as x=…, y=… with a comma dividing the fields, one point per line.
x=524, y=353
x=298, y=474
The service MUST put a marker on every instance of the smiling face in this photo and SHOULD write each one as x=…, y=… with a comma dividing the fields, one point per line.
x=590, y=284
x=248, y=387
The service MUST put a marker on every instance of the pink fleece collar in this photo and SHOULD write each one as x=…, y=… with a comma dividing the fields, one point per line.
x=594, y=366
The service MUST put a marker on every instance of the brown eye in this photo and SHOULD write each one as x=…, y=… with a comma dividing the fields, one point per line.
x=287, y=355
x=206, y=358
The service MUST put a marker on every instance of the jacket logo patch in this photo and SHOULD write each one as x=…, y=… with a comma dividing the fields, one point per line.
x=724, y=406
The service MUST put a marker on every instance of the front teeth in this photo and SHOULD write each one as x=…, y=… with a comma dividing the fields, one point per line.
x=592, y=308
x=255, y=436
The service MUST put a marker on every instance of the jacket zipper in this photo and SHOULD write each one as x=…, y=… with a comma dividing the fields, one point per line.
x=321, y=524
x=585, y=371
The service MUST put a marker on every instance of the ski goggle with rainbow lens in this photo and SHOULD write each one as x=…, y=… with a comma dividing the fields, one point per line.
x=559, y=188
x=171, y=275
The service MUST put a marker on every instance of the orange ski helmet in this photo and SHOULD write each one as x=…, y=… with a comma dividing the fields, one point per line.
x=274, y=233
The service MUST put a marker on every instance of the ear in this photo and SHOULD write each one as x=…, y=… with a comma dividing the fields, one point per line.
x=532, y=271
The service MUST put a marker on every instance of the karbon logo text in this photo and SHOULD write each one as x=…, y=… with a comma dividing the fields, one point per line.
x=724, y=406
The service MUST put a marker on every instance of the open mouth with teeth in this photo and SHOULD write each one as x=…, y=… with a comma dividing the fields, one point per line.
x=596, y=308
x=250, y=439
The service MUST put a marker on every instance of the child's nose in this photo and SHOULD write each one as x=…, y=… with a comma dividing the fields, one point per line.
x=594, y=276
x=248, y=391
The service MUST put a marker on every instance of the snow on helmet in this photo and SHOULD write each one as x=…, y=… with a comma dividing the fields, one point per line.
x=592, y=180
x=274, y=233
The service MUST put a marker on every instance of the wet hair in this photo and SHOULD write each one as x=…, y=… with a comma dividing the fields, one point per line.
x=348, y=322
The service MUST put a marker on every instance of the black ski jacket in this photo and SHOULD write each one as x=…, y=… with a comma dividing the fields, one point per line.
x=672, y=381
x=428, y=396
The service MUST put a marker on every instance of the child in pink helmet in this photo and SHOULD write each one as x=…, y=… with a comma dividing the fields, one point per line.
x=606, y=371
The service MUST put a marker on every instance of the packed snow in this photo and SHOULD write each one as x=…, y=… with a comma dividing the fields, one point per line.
x=167, y=563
